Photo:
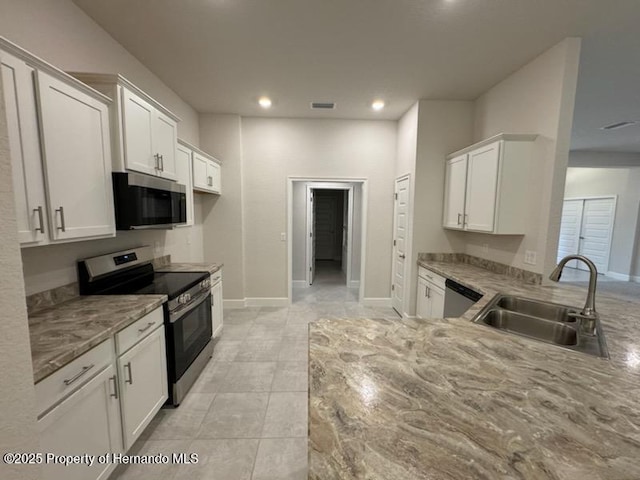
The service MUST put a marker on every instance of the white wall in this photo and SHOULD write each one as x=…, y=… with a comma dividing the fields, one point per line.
x=539, y=99
x=17, y=402
x=223, y=215
x=62, y=34
x=625, y=183
x=277, y=148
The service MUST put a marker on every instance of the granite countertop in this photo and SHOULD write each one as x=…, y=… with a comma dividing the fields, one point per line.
x=449, y=399
x=191, y=267
x=61, y=333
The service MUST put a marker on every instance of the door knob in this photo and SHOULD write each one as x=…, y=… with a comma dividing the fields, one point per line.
x=401, y=255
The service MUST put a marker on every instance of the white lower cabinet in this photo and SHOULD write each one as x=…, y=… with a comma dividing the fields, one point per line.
x=216, y=304
x=430, y=296
x=87, y=422
x=142, y=371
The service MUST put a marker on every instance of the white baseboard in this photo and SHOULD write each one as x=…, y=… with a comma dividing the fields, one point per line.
x=619, y=276
x=234, y=303
x=300, y=284
x=266, y=302
x=376, y=302
x=354, y=284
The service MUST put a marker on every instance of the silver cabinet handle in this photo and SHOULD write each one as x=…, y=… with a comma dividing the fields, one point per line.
x=465, y=220
x=62, y=225
x=426, y=291
x=84, y=370
x=115, y=386
x=210, y=181
x=149, y=325
x=459, y=215
x=161, y=162
x=40, y=219
x=156, y=157
x=127, y=366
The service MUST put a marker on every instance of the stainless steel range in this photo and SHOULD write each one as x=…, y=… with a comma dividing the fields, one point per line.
x=187, y=314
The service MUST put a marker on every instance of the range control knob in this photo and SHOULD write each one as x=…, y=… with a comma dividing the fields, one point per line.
x=181, y=300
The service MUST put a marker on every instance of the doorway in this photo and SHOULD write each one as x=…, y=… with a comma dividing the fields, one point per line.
x=326, y=247
x=586, y=228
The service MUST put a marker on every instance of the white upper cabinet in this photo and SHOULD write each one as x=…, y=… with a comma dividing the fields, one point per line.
x=60, y=151
x=145, y=133
x=184, y=175
x=77, y=159
x=207, y=173
x=487, y=186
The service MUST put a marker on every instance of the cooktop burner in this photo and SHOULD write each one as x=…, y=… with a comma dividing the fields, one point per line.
x=171, y=284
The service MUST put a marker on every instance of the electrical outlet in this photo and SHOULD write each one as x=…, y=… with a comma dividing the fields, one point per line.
x=283, y=237
x=530, y=257
x=485, y=248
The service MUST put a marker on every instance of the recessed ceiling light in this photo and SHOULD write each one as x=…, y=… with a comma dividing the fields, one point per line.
x=265, y=102
x=377, y=105
x=617, y=125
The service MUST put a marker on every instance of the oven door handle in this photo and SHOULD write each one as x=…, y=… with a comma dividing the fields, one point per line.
x=196, y=302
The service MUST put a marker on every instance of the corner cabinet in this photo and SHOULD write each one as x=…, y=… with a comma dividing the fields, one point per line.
x=487, y=186
x=60, y=149
x=145, y=134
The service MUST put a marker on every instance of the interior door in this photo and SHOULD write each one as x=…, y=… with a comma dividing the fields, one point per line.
x=596, y=230
x=570, y=227
x=400, y=222
x=312, y=259
x=325, y=230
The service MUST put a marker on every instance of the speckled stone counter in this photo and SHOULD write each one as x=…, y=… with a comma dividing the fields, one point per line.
x=64, y=332
x=191, y=267
x=449, y=399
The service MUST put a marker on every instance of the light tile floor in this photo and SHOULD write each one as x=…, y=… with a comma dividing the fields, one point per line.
x=246, y=416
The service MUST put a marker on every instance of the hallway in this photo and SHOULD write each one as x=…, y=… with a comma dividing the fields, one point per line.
x=330, y=285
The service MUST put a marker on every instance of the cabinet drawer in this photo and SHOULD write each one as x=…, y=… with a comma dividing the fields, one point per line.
x=432, y=277
x=127, y=338
x=66, y=380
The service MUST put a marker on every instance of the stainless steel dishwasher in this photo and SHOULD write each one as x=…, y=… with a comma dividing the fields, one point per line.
x=458, y=299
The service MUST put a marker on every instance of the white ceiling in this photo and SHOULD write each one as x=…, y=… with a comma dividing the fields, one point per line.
x=222, y=55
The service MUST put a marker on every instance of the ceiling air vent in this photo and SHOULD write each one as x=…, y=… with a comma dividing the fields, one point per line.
x=616, y=126
x=323, y=105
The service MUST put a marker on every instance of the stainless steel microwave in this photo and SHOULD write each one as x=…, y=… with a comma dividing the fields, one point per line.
x=142, y=201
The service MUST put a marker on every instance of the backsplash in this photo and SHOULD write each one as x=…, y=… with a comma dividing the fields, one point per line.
x=501, y=268
x=49, y=298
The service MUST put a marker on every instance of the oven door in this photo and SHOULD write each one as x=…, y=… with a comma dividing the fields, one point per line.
x=188, y=332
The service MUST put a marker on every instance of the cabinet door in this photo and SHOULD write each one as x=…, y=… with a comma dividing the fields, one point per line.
x=24, y=146
x=143, y=383
x=184, y=176
x=215, y=179
x=454, y=192
x=482, y=180
x=423, y=305
x=86, y=422
x=77, y=161
x=436, y=298
x=165, y=141
x=200, y=172
x=137, y=124
x=216, y=309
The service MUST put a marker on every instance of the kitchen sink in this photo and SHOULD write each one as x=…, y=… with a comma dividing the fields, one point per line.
x=535, y=308
x=543, y=321
x=546, y=330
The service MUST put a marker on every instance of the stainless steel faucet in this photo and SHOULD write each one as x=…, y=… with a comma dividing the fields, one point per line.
x=589, y=311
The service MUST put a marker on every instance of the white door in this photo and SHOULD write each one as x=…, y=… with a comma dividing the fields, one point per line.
x=138, y=125
x=86, y=422
x=482, y=180
x=570, y=226
x=184, y=176
x=586, y=229
x=77, y=158
x=311, y=238
x=455, y=190
x=200, y=172
x=24, y=145
x=143, y=383
x=400, y=224
x=165, y=139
